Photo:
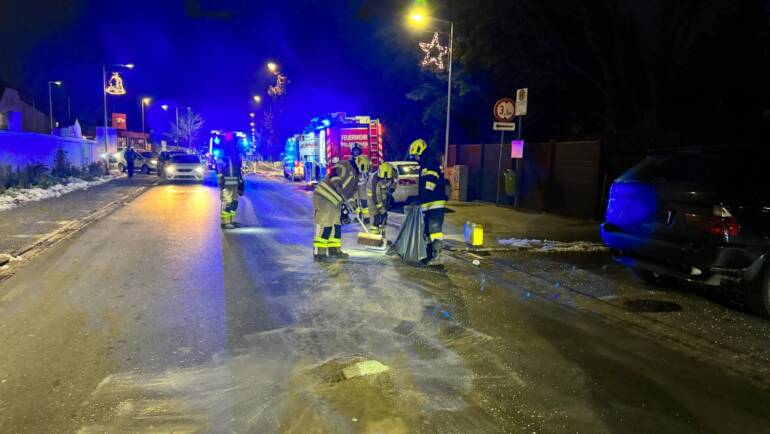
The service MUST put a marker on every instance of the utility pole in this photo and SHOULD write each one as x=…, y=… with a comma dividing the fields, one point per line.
x=189, y=128
x=104, y=92
x=449, y=95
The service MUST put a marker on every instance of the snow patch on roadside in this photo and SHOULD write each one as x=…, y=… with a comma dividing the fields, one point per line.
x=552, y=246
x=13, y=197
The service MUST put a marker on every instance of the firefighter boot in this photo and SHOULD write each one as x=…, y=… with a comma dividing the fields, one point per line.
x=436, y=246
x=337, y=253
x=320, y=254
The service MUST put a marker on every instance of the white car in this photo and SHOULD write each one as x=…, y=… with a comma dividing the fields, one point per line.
x=144, y=162
x=183, y=167
x=408, y=173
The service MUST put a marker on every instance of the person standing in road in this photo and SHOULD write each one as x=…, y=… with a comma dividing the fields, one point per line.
x=362, y=203
x=329, y=197
x=379, y=191
x=130, y=156
x=431, y=196
x=230, y=181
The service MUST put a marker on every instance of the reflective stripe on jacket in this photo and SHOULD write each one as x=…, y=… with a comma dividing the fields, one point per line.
x=432, y=185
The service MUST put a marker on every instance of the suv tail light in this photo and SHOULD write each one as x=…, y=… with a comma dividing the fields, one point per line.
x=725, y=224
x=407, y=182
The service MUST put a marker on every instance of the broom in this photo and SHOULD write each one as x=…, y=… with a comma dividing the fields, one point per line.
x=366, y=238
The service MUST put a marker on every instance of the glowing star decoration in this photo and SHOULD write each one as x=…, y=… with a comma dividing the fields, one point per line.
x=434, y=53
x=115, y=85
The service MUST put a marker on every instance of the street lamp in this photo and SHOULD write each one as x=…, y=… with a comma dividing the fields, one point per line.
x=272, y=67
x=257, y=99
x=418, y=17
x=176, y=132
x=189, y=127
x=104, y=92
x=145, y=102
x=50, y=101
x=252, y=114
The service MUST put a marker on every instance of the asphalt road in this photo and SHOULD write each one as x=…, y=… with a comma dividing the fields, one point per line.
x=154, y=320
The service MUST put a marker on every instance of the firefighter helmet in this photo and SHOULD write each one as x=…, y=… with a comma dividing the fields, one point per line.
x=418, y=147
x=363, y=163
x=385, y=171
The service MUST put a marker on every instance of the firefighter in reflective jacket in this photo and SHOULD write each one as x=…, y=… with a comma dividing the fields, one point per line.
x=362, y=200
x=431, y=195
x=230, y=181
x=339, y=187
x=380, y=194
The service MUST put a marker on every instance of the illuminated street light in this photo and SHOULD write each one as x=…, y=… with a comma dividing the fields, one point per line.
x=272, y=67
x=50, y=101
x=418, y=17
x=251, y=124
x=145, y=102
x=257, y=99
x=164, y=107
x=251, y=115
x=129, y=65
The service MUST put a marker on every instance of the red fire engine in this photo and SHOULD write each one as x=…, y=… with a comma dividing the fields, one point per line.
x=334, y=137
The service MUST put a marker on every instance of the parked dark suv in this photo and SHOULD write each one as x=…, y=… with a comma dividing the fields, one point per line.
x=696, y=215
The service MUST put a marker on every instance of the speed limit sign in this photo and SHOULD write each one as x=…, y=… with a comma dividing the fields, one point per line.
x=504, y=110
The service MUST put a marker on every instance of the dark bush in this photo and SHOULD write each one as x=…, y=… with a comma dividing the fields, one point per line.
x=61, y=165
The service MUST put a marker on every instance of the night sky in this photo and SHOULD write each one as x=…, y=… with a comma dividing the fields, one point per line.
x=637, y=74
x=209, y=55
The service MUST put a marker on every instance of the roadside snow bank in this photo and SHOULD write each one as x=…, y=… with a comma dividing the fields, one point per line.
x=13, y=197
x=552, y=246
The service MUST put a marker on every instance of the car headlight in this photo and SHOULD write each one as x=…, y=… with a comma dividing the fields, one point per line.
x=170, y=169
x=199, y=170
x=153, y=161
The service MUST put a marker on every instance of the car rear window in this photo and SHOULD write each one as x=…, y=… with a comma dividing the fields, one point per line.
x=408, y=169
x=188, y=159
x=688, y=168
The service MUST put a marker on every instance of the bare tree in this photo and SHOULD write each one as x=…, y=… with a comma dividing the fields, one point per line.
x=189, y=127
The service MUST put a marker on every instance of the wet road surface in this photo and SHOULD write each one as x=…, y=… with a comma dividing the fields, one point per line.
x=154, y=320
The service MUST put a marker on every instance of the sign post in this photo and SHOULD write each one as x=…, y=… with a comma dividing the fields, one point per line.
x=504, y=111
x=522, y=100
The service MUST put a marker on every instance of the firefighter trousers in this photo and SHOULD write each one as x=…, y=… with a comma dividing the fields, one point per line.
x=229, y=198
x=328, y=228
x=434, y=224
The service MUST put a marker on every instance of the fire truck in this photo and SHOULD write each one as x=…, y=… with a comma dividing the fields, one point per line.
x=218, y=138
x=328, y=139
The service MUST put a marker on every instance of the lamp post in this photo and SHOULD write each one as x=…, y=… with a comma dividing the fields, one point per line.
x=189, y=128
x=165, y=107
x=50, y=101
x=418, y=17
x=145, y=102
x=104, y=92
x=176, y=131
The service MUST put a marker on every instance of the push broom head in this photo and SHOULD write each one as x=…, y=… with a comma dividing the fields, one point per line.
x=371, y=240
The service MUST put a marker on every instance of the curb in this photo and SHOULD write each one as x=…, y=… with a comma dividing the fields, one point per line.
x=51, y=239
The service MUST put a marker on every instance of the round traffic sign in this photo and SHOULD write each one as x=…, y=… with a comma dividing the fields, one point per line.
x=504, y=110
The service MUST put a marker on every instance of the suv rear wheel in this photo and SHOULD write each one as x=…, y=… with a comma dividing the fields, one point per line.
x=758, y=294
